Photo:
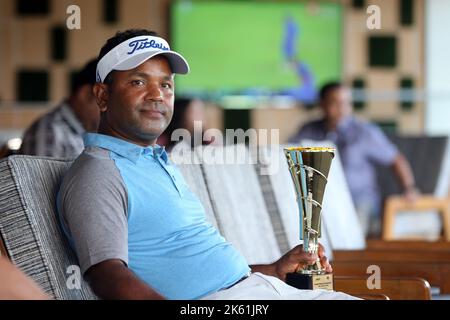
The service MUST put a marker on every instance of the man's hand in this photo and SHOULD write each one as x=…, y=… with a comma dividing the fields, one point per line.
x=405, y=176
x=297, y=259
x=411, y=194
x=292, y=261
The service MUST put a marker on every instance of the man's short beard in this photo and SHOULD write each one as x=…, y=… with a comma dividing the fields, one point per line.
x=146, y=136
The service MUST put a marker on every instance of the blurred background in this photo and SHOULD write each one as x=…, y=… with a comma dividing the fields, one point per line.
x=254, y=64
x=242, y=55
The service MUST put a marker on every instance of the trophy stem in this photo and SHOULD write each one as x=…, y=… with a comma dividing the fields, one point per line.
x=311, y=245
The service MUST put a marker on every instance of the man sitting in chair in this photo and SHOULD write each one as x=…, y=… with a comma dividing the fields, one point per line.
x=138, y=232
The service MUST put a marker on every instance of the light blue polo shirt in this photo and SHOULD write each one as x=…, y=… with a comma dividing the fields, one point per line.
x=123, y=201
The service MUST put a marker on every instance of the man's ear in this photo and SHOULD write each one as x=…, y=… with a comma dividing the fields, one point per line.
x=101, y=93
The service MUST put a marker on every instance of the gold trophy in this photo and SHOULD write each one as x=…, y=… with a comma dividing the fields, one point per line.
x=309, y=169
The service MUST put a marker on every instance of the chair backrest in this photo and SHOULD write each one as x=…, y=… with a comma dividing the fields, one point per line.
x=238, y=202
x=29, y=226
x=397, y=288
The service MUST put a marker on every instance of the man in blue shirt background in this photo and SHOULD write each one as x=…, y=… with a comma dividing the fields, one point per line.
x=362, y=146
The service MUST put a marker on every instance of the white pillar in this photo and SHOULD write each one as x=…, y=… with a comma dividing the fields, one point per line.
x=437, y=66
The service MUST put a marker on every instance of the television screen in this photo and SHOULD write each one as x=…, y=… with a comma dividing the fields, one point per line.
x=257, y=49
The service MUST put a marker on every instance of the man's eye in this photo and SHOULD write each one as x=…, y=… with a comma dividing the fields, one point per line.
x=167, y=85
x=137, y=82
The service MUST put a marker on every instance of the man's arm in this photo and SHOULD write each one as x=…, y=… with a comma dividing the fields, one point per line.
x=111, y=279
x=291, y=262
x=391, y=157
x=405, y=176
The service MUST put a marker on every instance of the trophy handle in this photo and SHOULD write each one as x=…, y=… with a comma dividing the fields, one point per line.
x=309, y=168
x=311, y=235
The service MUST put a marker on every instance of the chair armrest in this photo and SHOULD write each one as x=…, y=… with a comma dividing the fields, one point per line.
x=423, y=202
x=395, y=288
x=437, y=274
x=366, y=296
x=399, y=255
x=416, y=245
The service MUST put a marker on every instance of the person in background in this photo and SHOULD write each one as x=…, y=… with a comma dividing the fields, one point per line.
x=362, y=146
x=59, y=132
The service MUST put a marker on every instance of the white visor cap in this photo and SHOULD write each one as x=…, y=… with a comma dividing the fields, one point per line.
x=133, y=52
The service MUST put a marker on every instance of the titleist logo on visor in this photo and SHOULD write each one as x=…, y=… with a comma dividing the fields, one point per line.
x=140, y=44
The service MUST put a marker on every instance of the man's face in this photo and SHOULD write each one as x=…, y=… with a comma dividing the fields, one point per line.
x=139, y=102
x=337, y=105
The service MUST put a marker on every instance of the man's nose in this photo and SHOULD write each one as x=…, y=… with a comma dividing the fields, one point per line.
x=154, y=92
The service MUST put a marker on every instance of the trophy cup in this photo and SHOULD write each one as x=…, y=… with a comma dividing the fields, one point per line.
x=309, y=168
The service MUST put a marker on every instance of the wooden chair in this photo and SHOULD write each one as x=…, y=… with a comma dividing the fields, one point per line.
x=409, y=256
x=397, y=204
x=370, y=296
x=408, y=245
x=437, y=274
x=395, y=288
x=429, y=157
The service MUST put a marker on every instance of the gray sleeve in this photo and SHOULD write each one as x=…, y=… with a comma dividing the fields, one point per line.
x=93, y=202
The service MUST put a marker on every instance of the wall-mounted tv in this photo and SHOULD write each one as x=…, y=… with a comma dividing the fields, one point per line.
x=257, y=48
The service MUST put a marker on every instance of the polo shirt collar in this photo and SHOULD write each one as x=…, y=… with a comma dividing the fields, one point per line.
x=123, y=148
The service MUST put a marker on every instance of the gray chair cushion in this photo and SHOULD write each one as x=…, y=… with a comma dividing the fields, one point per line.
x=279, y=195
x=239, y=205
x=29, y=226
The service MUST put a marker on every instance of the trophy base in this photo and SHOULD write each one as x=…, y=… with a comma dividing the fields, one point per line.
x=310, y=281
